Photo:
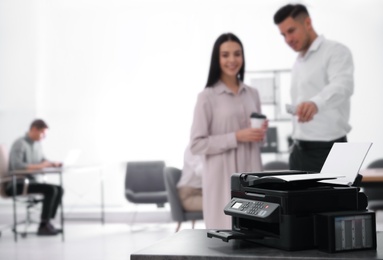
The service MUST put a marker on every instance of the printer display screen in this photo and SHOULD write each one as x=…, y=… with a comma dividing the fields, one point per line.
x=237, y=205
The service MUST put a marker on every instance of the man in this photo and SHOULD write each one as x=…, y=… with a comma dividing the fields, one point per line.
x=322, y=84
x=27, y=154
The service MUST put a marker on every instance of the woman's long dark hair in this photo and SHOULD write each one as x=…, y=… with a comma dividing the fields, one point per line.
x=215, y=69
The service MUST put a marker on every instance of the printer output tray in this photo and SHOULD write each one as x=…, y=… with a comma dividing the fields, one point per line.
x=227, y=235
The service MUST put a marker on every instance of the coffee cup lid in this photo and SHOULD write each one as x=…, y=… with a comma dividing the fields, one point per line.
x=257, y=115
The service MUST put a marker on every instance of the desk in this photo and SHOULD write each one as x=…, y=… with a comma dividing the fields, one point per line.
x=93, y=167
x=372, y=184
x=16, y=173
x=371, y=176
x=60, y=171
x=195, y=245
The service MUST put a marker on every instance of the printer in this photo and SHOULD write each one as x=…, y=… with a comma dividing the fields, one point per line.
x=296, y=210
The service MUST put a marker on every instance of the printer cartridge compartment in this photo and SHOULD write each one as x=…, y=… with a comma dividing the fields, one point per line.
x=272, y=209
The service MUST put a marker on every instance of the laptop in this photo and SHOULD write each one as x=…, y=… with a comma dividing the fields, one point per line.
x=71, y=158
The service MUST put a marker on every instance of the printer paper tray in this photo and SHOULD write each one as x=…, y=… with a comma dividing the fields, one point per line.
x=227, y=235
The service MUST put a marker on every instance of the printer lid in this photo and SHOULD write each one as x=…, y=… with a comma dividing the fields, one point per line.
x=341, y=168
x=345, y=159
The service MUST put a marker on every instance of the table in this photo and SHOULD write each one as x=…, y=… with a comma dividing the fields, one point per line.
x=16, y=173
x=77, y=168
x=195, y=245
x=372, y=184
x=59, y=170
x=371, y=176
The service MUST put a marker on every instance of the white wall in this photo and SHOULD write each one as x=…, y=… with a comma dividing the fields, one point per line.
x=118, y=79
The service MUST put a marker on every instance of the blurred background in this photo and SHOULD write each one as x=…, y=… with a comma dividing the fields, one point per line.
x=118, y=79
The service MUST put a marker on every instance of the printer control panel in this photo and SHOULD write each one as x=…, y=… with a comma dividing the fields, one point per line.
x=250, y=208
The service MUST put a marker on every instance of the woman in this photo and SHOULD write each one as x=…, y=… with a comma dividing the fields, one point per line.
x=221, y=129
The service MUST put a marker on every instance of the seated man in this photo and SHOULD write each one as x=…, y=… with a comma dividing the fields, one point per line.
x=190, y=184
x=27, y=154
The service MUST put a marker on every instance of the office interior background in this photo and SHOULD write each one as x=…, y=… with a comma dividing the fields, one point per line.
x=118, y=79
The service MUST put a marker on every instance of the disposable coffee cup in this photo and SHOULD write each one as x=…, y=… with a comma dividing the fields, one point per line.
x=257, y=120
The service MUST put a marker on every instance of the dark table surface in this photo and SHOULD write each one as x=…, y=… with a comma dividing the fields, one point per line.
x=194, y=244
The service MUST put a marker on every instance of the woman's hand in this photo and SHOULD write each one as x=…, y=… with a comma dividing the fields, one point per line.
x=251, y=134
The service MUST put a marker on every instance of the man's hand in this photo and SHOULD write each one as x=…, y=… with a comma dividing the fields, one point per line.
x=57, y=164
x=44, y=164
x=306, y=111
x=39, y=166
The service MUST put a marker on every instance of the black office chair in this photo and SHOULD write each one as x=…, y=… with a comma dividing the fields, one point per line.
x=376, y=164
x=172, y=176
x=374, y=194
x=144, y=183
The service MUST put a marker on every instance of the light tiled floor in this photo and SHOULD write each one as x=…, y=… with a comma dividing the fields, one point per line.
x=91, y=241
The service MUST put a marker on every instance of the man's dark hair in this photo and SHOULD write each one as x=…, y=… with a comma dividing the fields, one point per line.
x=289, y=11
x=215, y=69
x=39, y=124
